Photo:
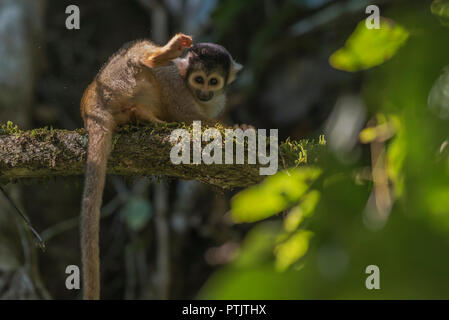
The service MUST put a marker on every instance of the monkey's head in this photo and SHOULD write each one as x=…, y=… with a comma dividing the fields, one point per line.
x=209, y=69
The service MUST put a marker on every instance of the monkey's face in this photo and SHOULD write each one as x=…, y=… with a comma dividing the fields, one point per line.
x=205, y=85
x=209, y=69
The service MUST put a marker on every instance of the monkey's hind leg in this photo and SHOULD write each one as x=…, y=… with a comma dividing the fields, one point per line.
x=99, y=128
x=172, y=50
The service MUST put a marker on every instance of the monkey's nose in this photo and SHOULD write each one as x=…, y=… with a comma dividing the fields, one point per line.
x=204, y=95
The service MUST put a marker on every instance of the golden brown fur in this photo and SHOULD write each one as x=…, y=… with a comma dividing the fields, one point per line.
x=140, y=82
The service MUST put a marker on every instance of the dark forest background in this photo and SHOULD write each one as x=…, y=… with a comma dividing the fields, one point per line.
x=163, y=238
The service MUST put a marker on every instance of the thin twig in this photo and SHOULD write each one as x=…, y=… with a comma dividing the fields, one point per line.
x=39, y=241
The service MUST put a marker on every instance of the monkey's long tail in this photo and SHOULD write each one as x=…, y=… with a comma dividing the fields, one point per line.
x=100, y=139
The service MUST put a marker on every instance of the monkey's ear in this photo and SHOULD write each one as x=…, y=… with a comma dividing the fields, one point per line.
x=235, y=68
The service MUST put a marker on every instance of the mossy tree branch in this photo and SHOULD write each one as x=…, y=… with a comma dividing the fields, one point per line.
x=137, y=150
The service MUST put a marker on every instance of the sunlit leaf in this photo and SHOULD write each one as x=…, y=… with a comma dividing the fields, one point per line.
x=381, y=132
x=291, y=250
x=396, y=154
x=276, y=193
x=258, y=245
x=258, y=283
x=367, y=48
x=368, y=135
x=293, y=219
x=309, y=202
x=301, y=211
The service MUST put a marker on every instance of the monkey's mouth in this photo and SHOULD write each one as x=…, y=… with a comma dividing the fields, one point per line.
x=204, y=96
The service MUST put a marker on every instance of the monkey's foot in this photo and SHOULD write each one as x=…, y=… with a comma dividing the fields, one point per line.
x=172, y=50
x=179, y=42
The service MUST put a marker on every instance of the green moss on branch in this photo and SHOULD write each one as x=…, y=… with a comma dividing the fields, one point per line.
x=137, y=150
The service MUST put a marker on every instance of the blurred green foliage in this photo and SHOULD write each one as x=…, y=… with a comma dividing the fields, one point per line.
x=367, y=48
x=136, y=213
x=398, y=221
x=277, y=193
x=440, y=8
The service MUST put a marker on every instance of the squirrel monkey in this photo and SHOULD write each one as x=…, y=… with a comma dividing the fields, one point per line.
x=145, y=82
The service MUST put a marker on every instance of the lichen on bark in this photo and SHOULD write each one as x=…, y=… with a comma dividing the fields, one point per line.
x=138, y=150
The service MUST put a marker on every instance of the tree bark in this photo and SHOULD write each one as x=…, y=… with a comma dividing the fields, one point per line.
x=137, y=151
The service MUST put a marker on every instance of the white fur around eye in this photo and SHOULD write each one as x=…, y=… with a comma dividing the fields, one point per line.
x=195, y=84
x=220, y=82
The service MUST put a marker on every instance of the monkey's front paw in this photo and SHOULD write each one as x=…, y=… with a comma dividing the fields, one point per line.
x=243, y=126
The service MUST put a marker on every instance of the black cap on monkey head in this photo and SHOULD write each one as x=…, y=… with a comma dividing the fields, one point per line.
x=212, y=56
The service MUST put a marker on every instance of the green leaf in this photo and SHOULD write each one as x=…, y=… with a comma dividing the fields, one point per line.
x=396, y=154
x=301, y=211
x=294, y=219
x=276, y=193
x=258, y=245
x=291, y=250
x=367, y=48
x=136, y=213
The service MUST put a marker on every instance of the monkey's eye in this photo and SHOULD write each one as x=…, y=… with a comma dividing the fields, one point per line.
x=213, y=81
x=199, y=80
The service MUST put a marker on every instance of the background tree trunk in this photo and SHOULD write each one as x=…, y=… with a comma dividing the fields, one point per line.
x=21, y=31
